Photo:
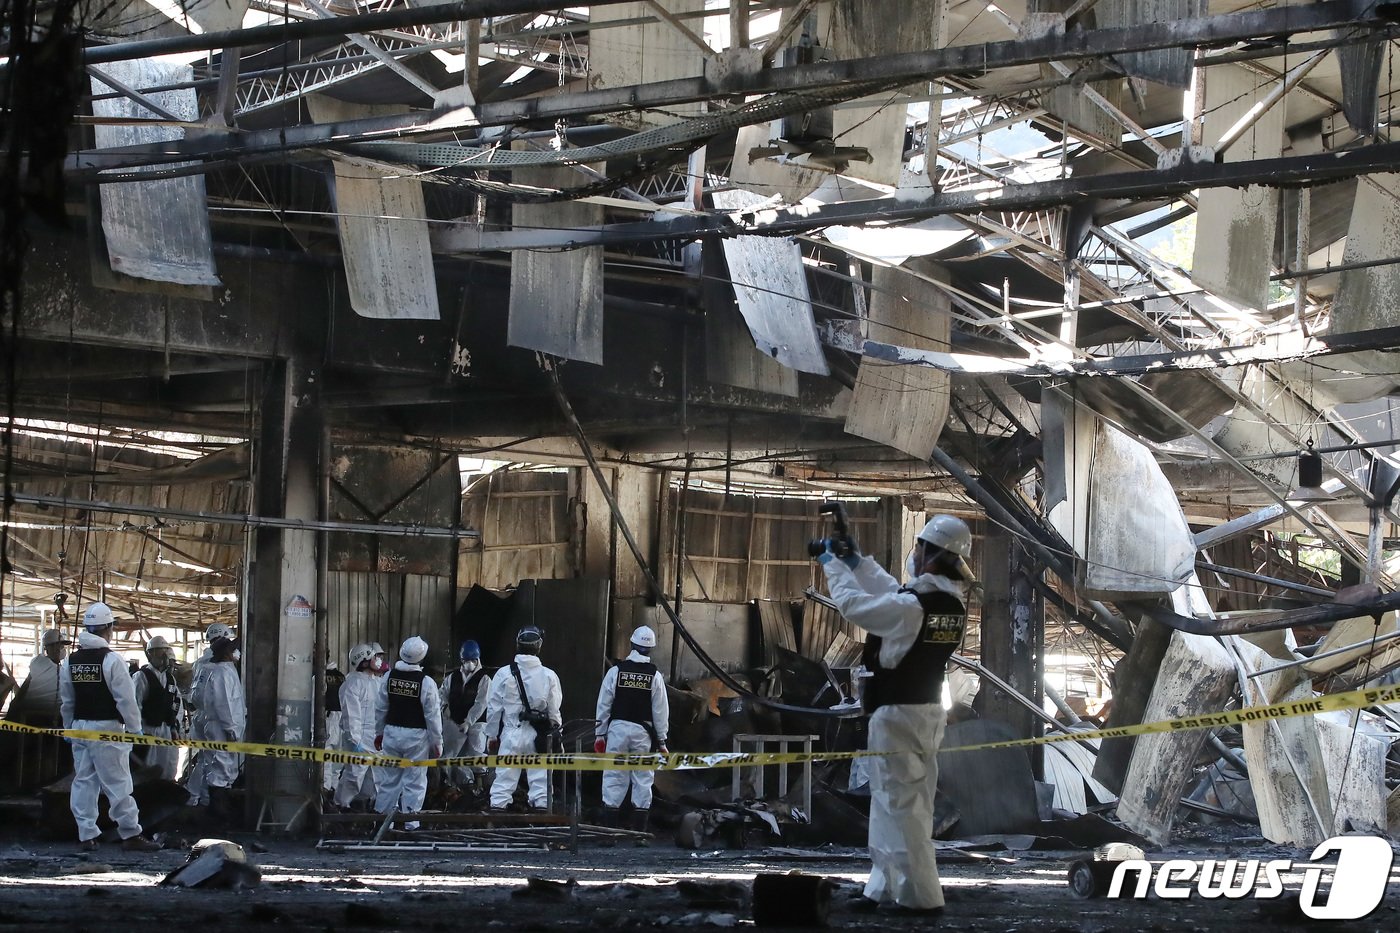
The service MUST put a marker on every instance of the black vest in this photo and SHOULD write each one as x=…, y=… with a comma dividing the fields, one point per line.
x=918, y=678
x=461, y=693
x=406, y=700
x=632, y=698
x=162, y=704
x=333, y=696
x=92, y=695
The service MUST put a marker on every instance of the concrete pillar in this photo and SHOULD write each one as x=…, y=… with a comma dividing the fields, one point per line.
x=1013, y=629
x=279, y=629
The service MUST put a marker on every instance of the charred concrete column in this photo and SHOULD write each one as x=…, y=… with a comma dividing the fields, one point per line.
x=1013, y=629
x=279, y=628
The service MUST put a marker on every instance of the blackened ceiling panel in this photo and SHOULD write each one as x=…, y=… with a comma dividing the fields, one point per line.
x=158, y=229
x=383, y=231
x=556, y=297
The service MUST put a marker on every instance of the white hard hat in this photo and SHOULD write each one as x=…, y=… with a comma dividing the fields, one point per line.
x=375, y=648
x=53, y=637
x=413, y=650
x=217, y=630
x=950, y=533
x=98, y=615
x=157, y=641
x=644, y=637
x=360, y=654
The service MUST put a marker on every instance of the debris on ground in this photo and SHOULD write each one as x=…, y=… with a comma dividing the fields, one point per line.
x=215, y=863
x=545, y=890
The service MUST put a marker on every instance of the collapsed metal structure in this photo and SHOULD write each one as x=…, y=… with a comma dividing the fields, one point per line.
x=940, y=252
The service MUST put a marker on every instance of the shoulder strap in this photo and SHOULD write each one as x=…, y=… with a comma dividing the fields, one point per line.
x=520, y=683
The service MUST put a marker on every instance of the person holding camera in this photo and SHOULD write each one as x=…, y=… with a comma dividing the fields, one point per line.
x=913, y=630
x=523, y=717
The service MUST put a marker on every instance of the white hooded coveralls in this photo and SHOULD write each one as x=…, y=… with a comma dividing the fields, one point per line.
x=101, y=766
x=357, y=726
x=406, y=787
x=226, y=717
x=198, y=727
x=470, y=737
x=902, y=785
x=166, y=759
x=517, y=737
x=629, y=737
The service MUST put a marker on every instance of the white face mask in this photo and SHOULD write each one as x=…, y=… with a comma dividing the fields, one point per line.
x=470, y=666
x=910, y=571
x=237, y=654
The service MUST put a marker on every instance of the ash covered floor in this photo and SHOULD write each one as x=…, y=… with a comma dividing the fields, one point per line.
x=46, y=885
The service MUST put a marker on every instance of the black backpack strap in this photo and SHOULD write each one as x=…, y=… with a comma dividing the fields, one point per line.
x=520, y=683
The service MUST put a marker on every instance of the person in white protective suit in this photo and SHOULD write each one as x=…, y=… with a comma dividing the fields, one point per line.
x=330, y=771
x=633, y=716
x=409, y=725
x=36, y=701
x=525, y=680
x=95, y=694
x=194, y=783
x=465, y=693
x=357, y=725
x=159, y=698
x=226, y=717
x=914, y=630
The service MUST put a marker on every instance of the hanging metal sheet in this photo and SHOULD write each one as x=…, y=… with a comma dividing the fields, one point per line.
x=1121, y=514
x=140, y=19
x=556, y=298
x=770, y=284
x=1166, y=66
x=159, y=229
x=903, y=406
x=647, y=52
x=1235, y=227
x=383, y=234
x=730, y=355
x=1370, y=298
x=1361, y=73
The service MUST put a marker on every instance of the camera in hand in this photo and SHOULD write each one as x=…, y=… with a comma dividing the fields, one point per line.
x=841, y=543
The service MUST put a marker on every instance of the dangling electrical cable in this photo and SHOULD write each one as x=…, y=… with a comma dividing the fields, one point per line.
x=550, y=366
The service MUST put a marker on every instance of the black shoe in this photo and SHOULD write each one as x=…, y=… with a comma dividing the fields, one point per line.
x=140, y=844
x=899, y=910
x=88, y=845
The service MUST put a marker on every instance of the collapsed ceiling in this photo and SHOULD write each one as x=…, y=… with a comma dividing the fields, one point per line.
x=805, y=240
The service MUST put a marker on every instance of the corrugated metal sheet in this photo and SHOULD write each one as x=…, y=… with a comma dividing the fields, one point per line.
x=1361, y=72
x=556, y=298
x=1166, y=66
x=140, y=20
x=1369, y=298
x=1122, y=516
x=770, y=284
x=387, y=608
x=644, y=53
x=825, y=631
x=525, y=533
x=1234, y=227
x=903, y=406
x=730, y=355
x=383, y=234
x=157, y=229
x=775, y=623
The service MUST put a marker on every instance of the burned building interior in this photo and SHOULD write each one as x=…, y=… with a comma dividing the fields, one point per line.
x=342, y=321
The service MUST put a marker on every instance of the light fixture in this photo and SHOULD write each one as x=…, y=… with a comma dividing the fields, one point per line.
x=1309, y=488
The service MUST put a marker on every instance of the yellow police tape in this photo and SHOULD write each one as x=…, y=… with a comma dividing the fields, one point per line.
x=676, y=761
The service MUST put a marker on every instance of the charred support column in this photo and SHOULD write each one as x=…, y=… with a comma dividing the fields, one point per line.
x=1013, y=629
x=279, y=628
